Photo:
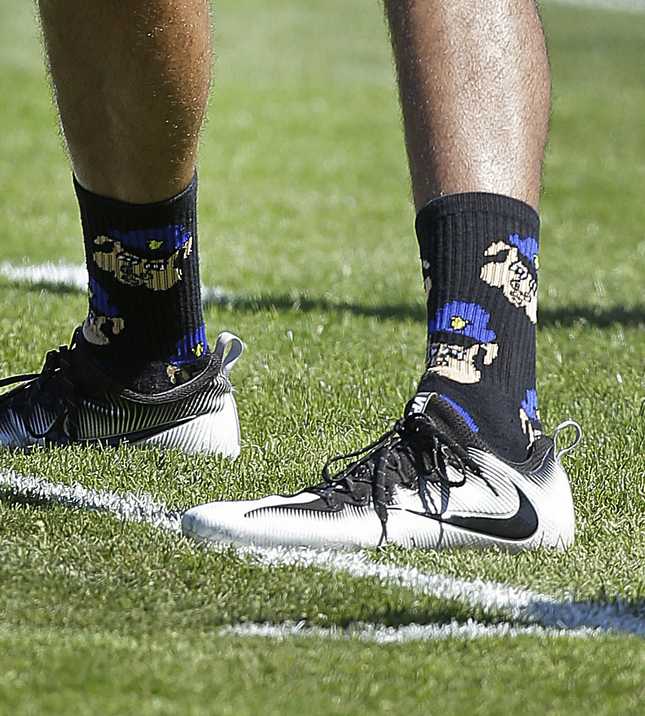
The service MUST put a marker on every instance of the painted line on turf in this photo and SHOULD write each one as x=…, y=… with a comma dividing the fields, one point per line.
x=129, y=507
x=74, y=278
x=493, y=598
x=54, y=275
x=403, y=634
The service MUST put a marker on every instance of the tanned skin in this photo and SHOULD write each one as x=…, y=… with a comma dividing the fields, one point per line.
x=474, y=85
x=131, y=80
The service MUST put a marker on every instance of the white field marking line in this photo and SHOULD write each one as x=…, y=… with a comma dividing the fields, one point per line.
x=468, y=630
x=493, y=598
x=129, y=507
x=74, y=277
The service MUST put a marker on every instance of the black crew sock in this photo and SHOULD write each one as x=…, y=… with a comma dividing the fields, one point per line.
x=479, y=258
x=145, y=323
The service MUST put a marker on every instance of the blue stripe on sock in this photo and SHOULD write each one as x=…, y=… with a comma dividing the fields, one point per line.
x=530, y=404
x=468, y=418
x=527, y=246
x=191, y=347
x=100, y=301
x=463, y=318
x=153, y=242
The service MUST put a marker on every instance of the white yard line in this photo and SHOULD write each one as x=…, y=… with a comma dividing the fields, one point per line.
x=493, y=598
x=129, y=507
x=402, y=634
x=74, y=278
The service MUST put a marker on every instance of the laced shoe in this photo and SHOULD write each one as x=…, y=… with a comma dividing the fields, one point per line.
x=430, y=482
x=72, y=401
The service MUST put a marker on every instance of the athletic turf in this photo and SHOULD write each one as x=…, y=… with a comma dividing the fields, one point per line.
x=306, y=223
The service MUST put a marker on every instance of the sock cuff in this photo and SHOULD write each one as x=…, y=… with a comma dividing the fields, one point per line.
x=475, y=202
x=125, y=215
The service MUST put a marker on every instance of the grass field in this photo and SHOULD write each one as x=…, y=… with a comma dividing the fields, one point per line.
x=306, y=222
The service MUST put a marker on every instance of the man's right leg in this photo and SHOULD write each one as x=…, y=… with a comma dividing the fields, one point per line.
x=131, y=81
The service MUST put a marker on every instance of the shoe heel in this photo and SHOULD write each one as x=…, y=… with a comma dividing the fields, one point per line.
x=568, y=519
x=215, y=433
x=558, y=518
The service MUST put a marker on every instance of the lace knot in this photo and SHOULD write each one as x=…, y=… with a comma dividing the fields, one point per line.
x=419, y=440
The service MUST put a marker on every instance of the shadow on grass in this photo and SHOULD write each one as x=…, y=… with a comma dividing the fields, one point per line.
x=597, y=316
x=600, y=317
x=13, y=499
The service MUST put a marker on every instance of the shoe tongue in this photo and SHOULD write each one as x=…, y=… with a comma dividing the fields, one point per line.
x=419, y=403
x=445, y=412
x=87, y=371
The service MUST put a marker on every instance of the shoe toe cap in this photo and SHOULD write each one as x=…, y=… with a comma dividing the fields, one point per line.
x=223, y=522
x=208, y=521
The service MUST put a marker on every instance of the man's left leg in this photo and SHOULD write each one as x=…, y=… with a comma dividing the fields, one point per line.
x=467, y=465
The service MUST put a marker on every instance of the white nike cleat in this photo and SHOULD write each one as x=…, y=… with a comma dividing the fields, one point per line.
x=430, y=482
x=71, y=401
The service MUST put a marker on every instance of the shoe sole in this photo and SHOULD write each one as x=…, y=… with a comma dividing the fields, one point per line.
x=411, y=536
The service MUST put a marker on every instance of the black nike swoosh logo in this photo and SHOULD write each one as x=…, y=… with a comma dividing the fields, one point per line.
x=520, y=526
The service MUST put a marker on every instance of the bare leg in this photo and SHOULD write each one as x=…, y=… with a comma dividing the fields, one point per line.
x=474, y=87
x=131, y=80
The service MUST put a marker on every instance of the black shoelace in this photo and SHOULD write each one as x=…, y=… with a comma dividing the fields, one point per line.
x=54, y=383
x=417, y=436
